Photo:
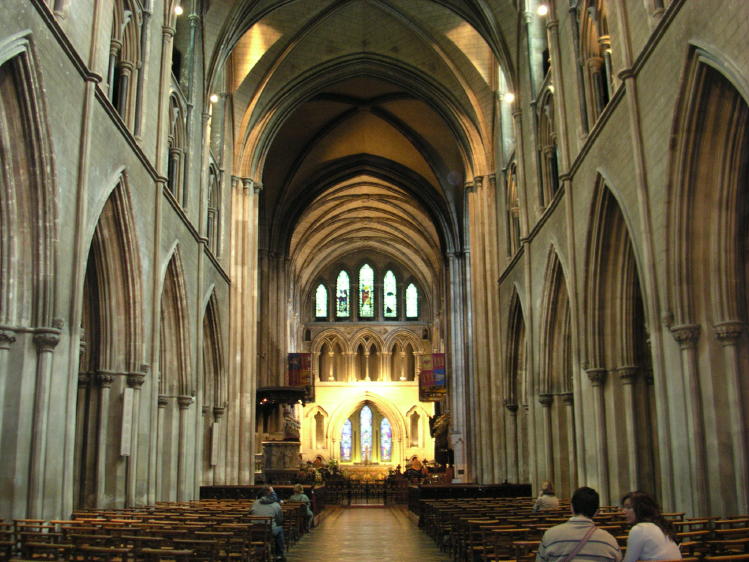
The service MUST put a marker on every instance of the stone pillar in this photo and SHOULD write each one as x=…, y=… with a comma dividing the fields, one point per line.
x=162, y=402
x=568, y=401
x=628, y=376
x=218, y=413
x=105, y=381
x=385, y=366
x=402, y=366
x=597, y=378
x=366, y=366
x=728, y=334
x=134, y=381
x=512, y=443
x=46, y=339
x=417, y=364
x=7, y=339
x=546, y=400
x=348, y=359
x=331, y=362
x=184, y=403
x=687, y=336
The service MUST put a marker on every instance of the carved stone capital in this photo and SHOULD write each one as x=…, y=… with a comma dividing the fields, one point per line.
x=104, y=380
x=7, y=338
x=136, y=380
x=546, y=399
x=184, y=402
x=628, y=374
x=478, y=181
x=567, y=398
x=728, y=333
x=596, y=375
x=84, y=379
x=46, y=339
x=686, y=335
x=218, y=412
x=162, y=401
x=511, y=407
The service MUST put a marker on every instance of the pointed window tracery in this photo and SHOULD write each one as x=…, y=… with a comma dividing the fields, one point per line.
x=321, y=302
x=343, y=309
x=346, y=441
x=386, y=440
x=412, y=301
x=390, y=296
x=366, y=292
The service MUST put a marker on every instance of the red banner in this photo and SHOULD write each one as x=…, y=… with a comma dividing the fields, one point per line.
x=432, y=377
x=300, y=373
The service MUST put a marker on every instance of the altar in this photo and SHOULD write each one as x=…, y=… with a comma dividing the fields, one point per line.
x=365, y=472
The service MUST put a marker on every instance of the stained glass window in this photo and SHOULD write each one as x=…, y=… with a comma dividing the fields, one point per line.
x=412, y=301
x=342, y=296
x=365, y=423
x=321, y=302
x=346, y=441
x=390, y=298
x=386, y=440
x=366, y=292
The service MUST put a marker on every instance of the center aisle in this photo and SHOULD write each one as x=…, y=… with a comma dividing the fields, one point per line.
x=382, y=534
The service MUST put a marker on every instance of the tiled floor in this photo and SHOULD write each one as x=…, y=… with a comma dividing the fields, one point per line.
x=361, y=534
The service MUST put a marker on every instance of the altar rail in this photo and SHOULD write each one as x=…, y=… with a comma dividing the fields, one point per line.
x=318, y=495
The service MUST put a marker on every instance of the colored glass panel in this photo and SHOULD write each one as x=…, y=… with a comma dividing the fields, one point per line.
x=366, y=292
x=321, y=302
x=390, y=298
x=412, y=301
x=342, y=309
x=386, y=440
x=346, y=441
x=365, y=424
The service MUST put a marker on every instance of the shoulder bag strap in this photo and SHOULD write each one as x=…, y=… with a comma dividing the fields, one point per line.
x=581, y=544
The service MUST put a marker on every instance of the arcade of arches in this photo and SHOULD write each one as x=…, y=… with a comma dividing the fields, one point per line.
x=558, y=203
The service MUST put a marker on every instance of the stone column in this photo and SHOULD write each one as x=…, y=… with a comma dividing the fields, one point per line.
x=7, y=339
x=84, y=382
x=628, y=376
x=366, y=366
x=403, y=366
x=331, y=362
x=114, y=48
x=348, y=360
x=162, y=402
x=46, y=339
x=512, y=443
x=105, y=381
x=385, y=367
x=134, y=381
x=728, y=334
x=546, y=400
x=184, y=403
x=417, y=365
x=687, y=336
x=218, y=413
x=568, y=401
x=597, y=378
x=126, y=71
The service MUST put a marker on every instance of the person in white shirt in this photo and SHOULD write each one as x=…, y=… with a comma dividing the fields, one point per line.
x=652, y=536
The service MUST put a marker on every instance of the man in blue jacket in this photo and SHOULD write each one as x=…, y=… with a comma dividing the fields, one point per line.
x=267, y=504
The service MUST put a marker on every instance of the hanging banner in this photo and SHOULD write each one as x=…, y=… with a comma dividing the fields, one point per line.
x=300, y=374
x=432, y=378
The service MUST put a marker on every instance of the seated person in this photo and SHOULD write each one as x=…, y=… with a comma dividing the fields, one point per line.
x=579, y=538
x=301, y=497
x=267, y=504
x=547, y=499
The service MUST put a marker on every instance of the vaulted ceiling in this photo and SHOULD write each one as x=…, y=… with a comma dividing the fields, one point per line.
x=391, y=100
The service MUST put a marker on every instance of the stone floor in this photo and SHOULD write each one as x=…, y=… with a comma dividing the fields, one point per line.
x=382, y=534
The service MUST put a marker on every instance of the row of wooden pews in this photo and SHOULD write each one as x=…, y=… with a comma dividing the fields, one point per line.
x=507, y=529
x=205, y=530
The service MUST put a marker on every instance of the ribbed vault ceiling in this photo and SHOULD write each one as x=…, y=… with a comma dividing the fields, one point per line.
x=363, y=119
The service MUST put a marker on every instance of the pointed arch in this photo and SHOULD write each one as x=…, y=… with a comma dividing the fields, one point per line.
x=175, y=376
x=556, y=362
x=113, y=292
x=27, y=191
x=516, y=353
x=214, y=374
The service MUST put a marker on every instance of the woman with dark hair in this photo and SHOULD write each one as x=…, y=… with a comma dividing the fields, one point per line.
x=652, y=536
